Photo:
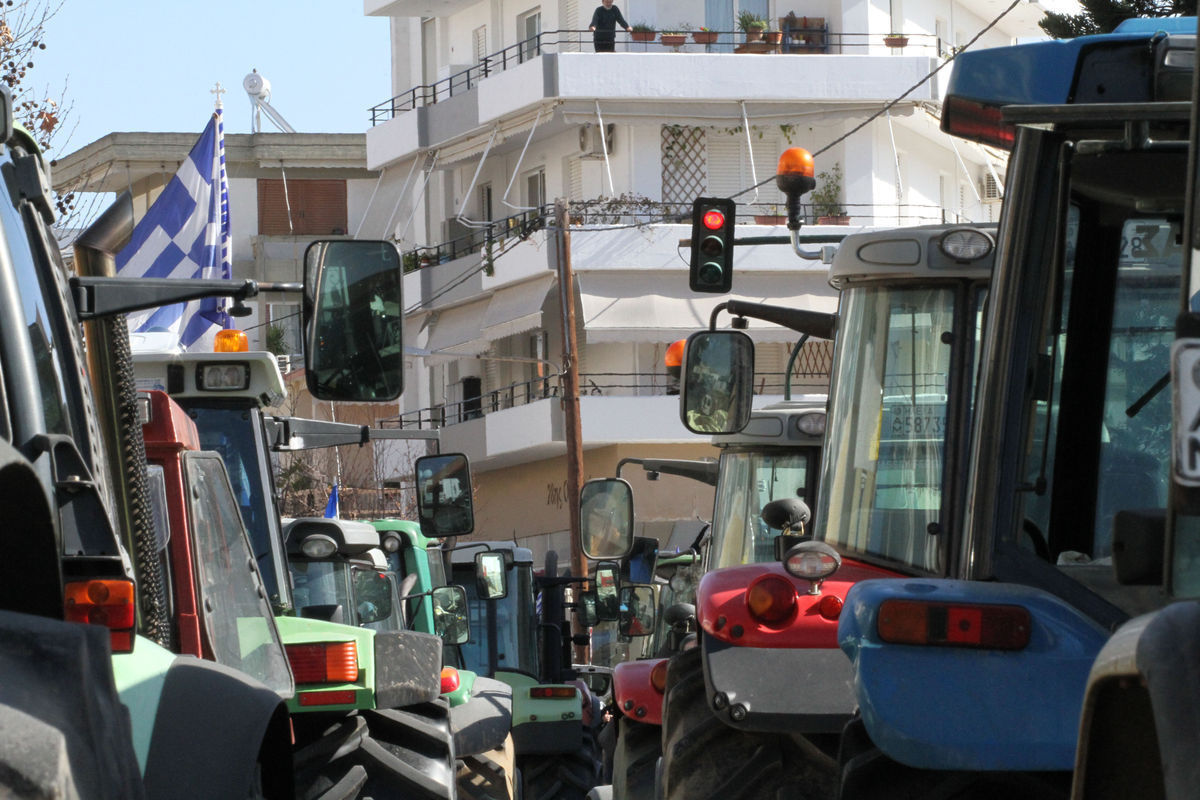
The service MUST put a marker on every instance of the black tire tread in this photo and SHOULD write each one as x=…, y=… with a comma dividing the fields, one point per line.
x=562, y=776
x=410, y=752
x=639, y=747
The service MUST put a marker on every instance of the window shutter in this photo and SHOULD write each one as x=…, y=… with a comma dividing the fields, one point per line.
x=318, y=207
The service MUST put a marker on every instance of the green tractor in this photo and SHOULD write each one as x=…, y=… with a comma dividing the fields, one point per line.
x=555, y=716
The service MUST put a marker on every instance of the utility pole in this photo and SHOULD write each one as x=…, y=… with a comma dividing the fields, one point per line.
x=572, y=428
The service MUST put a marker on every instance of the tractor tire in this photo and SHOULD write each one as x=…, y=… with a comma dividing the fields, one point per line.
x=323, y=767
x=410, y=752
x=638, y=749
x=867, y=773
x=705, y=758
x=562, y=776
x=490, y=775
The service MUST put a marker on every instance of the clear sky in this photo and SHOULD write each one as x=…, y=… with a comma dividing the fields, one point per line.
x=150, y=65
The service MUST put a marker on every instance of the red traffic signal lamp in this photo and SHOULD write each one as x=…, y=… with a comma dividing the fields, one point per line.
x=711, y=267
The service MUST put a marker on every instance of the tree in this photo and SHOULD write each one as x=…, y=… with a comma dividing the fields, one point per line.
x=1102, y=16
x=22, y=37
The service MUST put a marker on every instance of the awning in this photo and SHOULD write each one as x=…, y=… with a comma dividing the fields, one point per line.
x=457, y=331
x=627, y=306
x=516, y=309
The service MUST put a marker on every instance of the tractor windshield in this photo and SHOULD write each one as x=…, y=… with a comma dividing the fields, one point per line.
x=376, y=599
x=320, y=588
x=504, y=631
x=882, y=486
x=235, y=431
x=746, y=481
x=237, y=619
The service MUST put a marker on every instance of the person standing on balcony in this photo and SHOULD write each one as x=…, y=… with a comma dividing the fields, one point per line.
x=605, y=20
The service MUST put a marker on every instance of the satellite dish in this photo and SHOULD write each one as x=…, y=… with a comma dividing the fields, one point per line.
x=256, y=85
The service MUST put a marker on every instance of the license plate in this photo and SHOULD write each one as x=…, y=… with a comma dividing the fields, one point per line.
x=1185, y=374
x=915, y=422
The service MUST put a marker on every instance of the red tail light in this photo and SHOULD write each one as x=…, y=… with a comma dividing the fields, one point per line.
x=992, y=627
x=830, y=606
x=103, y=602
x=558, y=692
x=771, y=599
x=977, y=122
x=450, y=680
x=331, y=662
x=344, y=697
x=658, y=676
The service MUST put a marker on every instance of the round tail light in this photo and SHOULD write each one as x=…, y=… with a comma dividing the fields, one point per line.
x=771, y=599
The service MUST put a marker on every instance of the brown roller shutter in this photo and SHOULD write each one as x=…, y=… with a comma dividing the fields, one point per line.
x=318, y=207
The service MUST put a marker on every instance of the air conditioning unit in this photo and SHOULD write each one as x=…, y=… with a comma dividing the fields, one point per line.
x=591, y=144
x=989, y=190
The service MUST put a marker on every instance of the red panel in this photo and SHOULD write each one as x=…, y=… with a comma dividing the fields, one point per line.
x=724, y=615
x=632, y=691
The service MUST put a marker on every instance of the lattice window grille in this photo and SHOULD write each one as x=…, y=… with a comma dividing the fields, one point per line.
x=684, y=174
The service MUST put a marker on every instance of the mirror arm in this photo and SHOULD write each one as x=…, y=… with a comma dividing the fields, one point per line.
x=813, y=323
x=320, y=433
x=101, y=296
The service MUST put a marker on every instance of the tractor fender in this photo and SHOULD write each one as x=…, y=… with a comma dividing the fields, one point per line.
x=63, y=729
x=482, y=723
x=970, y=708
x=213, y=727
x=1167, y=655
x=633, y=692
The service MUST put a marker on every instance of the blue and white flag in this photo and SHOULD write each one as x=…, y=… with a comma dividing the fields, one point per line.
x=185, y=234
x=331, y=507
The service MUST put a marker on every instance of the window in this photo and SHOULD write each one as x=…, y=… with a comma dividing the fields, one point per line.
x=479, y=43
x=301, y=207
x=283, y=333
x=535, y=188
x=529, y=28
x=749, y=479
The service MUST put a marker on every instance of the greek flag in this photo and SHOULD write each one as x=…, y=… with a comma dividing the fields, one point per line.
x=185, y=234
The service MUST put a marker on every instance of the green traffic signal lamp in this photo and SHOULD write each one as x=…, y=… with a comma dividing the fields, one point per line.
x=711, y=266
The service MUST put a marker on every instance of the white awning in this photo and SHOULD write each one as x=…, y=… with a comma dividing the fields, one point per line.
x=626, y=306
x=457, y=330
x=516, y=309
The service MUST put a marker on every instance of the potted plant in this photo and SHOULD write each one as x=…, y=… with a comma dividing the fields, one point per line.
x=641, y=32
x=772, y=36
x=826, y=199
x=672, y=38
x=752, y=25
x=704, y=36
x=895, y=40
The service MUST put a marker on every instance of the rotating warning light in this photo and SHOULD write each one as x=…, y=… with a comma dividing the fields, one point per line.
x=711, y=267
x=794, y=173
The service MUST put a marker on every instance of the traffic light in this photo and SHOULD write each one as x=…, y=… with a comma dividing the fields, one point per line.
x=712, y=245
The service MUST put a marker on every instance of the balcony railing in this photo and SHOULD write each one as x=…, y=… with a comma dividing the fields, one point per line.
x=795, y=41
x=813, y=364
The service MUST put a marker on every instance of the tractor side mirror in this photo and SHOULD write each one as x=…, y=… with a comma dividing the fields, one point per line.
x=718, y=382
x=491, y=579
x=353, y=320
x=585, y=607
x=636, y=610
x=608, y=584
x=450, y=614
x=606, y=518
x=444, y=505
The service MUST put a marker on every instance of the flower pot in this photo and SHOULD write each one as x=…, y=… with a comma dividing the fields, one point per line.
x=643, y=36
x=895, y=41
x=704, y=37
x=770, y=219
x=840, y=219
x=754, y=35
x=774, y=37
x=672, y=39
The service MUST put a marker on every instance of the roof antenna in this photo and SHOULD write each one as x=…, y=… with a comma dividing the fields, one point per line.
x=259, y=89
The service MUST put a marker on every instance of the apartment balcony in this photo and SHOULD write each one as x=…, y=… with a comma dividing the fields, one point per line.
x=554, y=81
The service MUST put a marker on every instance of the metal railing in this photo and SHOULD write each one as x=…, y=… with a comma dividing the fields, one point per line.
x=596, y=384
x=795, y=41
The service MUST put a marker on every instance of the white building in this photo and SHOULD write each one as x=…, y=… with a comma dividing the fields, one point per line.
x=501, y=106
